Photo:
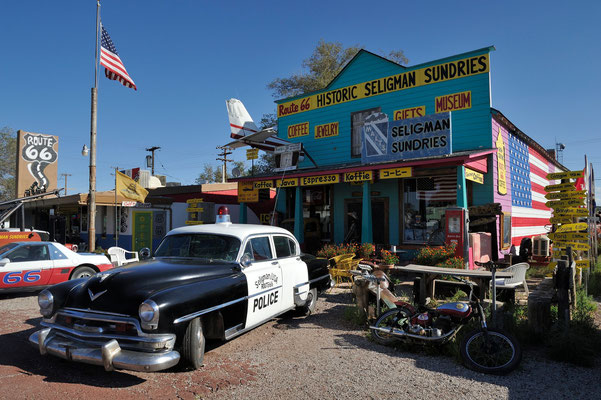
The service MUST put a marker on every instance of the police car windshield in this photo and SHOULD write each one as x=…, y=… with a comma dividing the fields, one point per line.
x=200, y=245
x=7, y=247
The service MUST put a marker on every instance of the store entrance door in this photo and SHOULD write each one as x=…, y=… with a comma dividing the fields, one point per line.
x=353, y=216
x=142, y=230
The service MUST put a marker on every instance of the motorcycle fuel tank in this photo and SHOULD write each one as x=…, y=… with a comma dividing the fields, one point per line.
x=456, y=309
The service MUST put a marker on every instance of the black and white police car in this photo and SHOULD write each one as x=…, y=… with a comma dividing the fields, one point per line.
x=212, y=281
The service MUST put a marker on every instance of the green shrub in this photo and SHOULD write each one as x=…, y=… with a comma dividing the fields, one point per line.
x=594, y=283
x=354, y=315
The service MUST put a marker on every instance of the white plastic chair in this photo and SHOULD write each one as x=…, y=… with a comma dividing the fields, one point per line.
x=518, y=278
x=118, y=256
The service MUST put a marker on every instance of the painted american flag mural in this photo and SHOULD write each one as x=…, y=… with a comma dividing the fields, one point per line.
x=528, y=170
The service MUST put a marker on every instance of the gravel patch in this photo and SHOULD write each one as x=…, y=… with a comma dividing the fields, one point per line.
x=322, y=356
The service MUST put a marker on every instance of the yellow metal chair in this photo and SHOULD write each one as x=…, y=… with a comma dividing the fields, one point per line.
x=340, y=267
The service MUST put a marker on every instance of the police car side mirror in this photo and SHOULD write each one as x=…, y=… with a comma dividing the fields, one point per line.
x=4, y=261
x=144, y=253
x=245, y=261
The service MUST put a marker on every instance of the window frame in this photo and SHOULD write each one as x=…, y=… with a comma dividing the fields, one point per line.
x=367, y=112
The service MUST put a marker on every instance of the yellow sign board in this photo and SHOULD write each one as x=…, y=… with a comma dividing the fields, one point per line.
x=565, y=175
x=247, y=193
x=570, y=211
x=561, y=186
x=326, y=130
x=358, y=176
x=568, y=236
x=406, y=80
x=195, y=209
x=265, y=218
x=320, y=179
x=565, y=203
x=474, y=176
x=501, y=181
x=194, y=222
x=573, y=245
x=583, y=263
x=263, y=184
x=581, y=226
x=298, y=130
x=573, y=194
x=286, y=182
x=394, y=173
x=252, y=154
x=453, y=102
x=194, y=201
x=561, y=220
x=411, y=112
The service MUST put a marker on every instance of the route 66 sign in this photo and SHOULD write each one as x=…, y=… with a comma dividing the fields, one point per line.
x=37, y=156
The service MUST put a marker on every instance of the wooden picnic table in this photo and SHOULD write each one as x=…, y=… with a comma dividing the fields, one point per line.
x=428, y=275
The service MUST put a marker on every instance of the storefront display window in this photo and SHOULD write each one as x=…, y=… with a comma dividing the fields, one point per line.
x=424, y=203
x=357, y=121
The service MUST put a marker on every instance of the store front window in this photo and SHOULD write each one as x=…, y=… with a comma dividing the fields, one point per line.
x=424, y=203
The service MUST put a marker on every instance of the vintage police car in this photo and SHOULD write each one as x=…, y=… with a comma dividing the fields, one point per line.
x=204, y=282
x=26, y=266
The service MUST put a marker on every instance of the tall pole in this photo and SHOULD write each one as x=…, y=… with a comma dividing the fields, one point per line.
x=116, y=218
x=65, y=175
x=93, y=123
x=152, y=150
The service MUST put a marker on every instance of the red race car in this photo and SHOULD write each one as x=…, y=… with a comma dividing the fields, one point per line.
x=28, y=266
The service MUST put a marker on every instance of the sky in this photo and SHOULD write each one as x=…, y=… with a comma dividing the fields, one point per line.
x=187, y=57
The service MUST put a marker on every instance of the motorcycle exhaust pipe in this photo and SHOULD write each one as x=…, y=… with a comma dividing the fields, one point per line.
x=402, y=333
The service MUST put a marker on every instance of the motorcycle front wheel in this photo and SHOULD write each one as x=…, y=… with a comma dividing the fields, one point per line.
x=491, y=351
x=397, y=318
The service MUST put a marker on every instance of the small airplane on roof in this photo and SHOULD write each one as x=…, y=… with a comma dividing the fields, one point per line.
x=246, y=132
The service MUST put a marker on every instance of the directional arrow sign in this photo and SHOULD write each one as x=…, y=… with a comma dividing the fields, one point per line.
x=565, y=203
x=568, y=236
x=573, y=245
x=561, y=220
x=566, y=195
x=561, y=186
x=572, y=227
x=583, y=263
x=571, y=211
x=565, y=175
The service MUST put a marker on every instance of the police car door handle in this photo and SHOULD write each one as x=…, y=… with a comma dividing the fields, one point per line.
x=274, y=263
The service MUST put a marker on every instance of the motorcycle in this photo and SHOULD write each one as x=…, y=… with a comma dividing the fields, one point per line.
x=485, y=349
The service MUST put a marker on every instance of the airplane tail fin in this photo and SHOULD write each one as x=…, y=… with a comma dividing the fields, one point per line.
x=241, y=124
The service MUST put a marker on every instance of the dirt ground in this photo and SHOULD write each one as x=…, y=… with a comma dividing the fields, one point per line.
x=321, y=356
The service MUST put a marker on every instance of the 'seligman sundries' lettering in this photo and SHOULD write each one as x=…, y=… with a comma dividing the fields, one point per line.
x=406, y=80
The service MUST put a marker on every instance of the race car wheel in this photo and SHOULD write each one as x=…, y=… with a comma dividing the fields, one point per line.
x=193, y=345
x=82, y=272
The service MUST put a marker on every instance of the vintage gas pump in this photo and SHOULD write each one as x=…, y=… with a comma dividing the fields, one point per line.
x=456, y=229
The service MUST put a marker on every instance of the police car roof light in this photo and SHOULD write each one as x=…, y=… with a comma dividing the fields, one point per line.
x=223, y=215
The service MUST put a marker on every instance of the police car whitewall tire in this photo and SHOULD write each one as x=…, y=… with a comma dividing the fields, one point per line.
x=83, y=272
x=193, y=344
x=309, y=307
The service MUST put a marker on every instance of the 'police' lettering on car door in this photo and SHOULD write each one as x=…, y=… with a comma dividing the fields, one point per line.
x=265, y=300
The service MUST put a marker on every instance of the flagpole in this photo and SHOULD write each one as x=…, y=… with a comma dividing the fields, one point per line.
x=93, y=123
x=116, y=219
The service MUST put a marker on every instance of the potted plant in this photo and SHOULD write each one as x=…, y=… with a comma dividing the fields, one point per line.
x=388, y=259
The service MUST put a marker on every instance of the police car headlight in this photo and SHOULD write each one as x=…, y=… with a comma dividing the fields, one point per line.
x=149, y=314
x=45, y=301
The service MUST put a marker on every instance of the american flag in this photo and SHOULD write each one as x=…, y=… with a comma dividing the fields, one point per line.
x=109, y=59
x=437, y=188
x=529, y=169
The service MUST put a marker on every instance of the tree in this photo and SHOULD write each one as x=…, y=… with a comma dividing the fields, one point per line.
x=213, y=174
x=327, y=60
x=8, y=163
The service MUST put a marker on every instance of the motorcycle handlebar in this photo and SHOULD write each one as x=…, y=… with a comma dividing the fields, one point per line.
x=369, y=277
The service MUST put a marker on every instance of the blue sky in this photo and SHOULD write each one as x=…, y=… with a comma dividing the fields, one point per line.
x=187, y=57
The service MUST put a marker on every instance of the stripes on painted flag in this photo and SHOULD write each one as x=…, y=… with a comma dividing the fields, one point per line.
x=437, y=188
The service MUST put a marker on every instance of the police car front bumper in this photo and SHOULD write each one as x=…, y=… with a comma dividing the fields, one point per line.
x=110, y=354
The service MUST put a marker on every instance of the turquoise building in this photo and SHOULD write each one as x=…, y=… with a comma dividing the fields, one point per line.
x=386, y=149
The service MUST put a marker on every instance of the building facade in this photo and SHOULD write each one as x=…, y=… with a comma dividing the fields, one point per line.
x=387, y=149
